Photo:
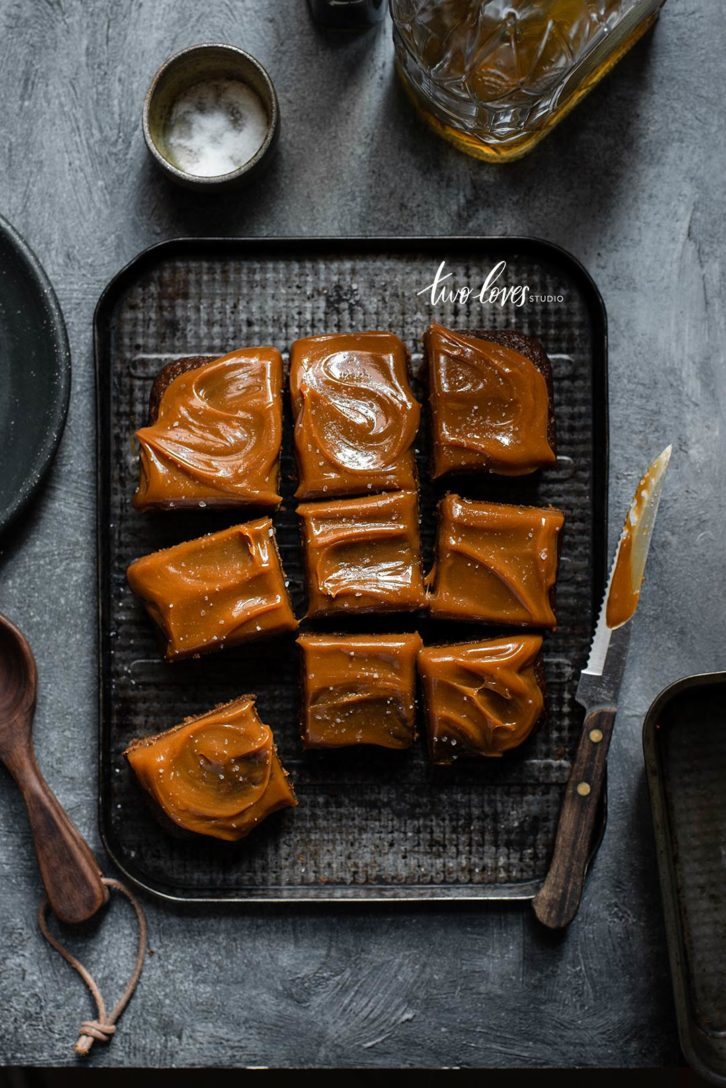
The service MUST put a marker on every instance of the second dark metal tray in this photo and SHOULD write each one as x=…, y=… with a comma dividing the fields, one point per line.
x=371, y=825
x=684, y=741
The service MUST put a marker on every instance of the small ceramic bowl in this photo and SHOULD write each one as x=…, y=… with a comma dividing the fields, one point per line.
x=202, y=64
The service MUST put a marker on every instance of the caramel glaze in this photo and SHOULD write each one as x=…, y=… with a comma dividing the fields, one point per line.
x=495, y=563
x=359, y=689
x=623, y=596
x=482, y=698
x=215, y=591
x=216, y=775
x=491, y=406
x=356, y=418
x=363, y=555
x=627, y=575
x=215, y=433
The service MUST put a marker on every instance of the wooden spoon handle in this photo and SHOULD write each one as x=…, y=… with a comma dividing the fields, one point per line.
x=558, y=899
x=68, y=869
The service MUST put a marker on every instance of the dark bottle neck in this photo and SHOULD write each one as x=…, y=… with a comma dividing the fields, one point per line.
x=348, y=14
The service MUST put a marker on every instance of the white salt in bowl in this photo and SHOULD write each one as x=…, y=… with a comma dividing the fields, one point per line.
x=211, y=117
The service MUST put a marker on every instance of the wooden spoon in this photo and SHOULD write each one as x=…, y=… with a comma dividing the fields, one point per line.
x=68, y=869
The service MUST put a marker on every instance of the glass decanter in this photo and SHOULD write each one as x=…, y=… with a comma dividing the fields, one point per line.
x=494, y=76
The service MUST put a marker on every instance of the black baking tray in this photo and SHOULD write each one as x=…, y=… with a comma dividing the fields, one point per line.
x=371, y=825
x=684, y=741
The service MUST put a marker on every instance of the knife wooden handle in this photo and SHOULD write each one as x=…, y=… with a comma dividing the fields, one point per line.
x=558, y=899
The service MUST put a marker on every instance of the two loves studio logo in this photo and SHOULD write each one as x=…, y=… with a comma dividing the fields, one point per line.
x=492, y=291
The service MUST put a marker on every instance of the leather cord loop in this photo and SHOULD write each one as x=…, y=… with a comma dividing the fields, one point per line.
x=103, y=1027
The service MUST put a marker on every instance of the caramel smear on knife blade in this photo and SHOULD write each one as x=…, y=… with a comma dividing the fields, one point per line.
x=627, y=576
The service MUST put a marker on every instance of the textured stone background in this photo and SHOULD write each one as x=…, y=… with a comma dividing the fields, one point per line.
x=632, y=183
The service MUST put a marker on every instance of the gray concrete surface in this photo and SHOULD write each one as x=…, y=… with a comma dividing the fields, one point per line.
x=632, y=183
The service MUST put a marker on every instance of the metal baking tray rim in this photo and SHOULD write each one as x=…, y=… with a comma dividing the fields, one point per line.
x=665, y=852
x=384, y=895
x=318, y=894
x=209, y=242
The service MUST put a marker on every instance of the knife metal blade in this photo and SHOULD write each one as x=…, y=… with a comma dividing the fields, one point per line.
x=600, y=679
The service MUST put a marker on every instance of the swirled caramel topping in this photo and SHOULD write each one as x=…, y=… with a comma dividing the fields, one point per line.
x=355, y=416
x=363, y=555
x=482, y=698
x=215, y=439
x=215, y=591
x=495, y=563
x=216, y=775
x=359, y=689
x=490, y=403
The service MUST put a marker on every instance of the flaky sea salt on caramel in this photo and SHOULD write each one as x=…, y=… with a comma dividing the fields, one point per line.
x=218, y=774
x=359, y=689
x=355, y=416
x=495, y=563
x=363, y=555
x=215, y=591
x=481, y=698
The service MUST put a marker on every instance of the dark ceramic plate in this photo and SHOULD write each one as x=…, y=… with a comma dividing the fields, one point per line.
x=35, y=373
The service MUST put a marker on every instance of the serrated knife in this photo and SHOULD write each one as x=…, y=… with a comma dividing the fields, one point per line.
x=559, y=897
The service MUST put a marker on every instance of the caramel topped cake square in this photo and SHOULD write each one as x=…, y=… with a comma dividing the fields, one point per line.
x=481, y=698
x=215, y=591
x=491, y=402
x=363, y=555
x=355, y=416
x=218, y=774
x=359, y=689
x=496, y=563
x=214, y=433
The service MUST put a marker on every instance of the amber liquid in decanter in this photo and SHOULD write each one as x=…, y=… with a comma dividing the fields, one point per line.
x=494, y=76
